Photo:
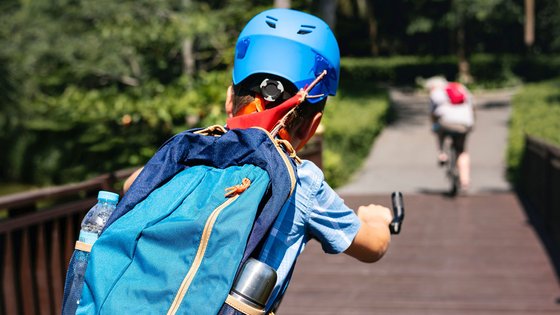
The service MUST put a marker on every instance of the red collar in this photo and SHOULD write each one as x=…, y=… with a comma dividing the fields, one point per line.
x=266, y=119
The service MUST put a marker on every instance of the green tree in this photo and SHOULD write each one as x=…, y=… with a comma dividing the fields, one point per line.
x=464, y=21
x=547, y=26
x=103, y=78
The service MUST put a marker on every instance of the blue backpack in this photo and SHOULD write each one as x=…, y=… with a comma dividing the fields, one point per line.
x=195, y=214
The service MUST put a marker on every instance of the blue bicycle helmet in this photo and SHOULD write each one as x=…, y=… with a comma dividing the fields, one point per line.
x=290, y=44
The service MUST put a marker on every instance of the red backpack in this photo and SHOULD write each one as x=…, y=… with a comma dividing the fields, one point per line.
x=455, y=93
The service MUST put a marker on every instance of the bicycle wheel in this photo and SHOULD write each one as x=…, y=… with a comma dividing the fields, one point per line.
x=452, y=171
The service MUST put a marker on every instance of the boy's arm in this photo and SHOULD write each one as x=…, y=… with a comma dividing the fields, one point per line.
x=373, y=237
x=128, y=182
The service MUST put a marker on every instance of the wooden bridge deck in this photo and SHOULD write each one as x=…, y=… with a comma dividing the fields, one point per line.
x=469, y=255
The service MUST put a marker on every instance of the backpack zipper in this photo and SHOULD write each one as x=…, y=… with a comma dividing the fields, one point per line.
x=199, y=255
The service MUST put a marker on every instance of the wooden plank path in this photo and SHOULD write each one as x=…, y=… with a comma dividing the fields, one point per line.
x=469, y=255
x=476, y=254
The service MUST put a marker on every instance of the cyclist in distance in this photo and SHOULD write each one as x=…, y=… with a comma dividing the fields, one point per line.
x=452, y=114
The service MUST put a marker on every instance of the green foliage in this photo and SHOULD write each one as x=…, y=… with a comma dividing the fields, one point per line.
x=352, y=121
x=477, y=10
x=401, y=70
x=102, y=43
x=489, y=71
x=82, y=80
x=547, y=26
x=495, y=71
x=86, y=132
x=429, y=27
x=536, y=112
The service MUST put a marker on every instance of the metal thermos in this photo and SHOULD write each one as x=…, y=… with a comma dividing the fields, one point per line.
x=254, y=283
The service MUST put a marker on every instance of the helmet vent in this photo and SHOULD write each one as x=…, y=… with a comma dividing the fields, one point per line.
x=306, y=29
x=271, y=21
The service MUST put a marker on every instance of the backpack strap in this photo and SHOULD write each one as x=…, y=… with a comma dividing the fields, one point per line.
x=265, y=221
x=216, y=131
x=242, y=307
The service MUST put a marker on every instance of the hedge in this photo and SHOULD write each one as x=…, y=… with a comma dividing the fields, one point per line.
x=536, y=112
x=82, y=133
x=487, y=70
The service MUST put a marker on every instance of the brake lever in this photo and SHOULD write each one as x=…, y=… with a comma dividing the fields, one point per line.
x=398, y=212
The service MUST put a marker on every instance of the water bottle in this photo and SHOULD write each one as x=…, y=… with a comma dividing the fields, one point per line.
x=254, y=284
x=96, y=218
x=92, y=226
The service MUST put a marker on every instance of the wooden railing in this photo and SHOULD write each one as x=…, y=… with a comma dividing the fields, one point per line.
x=38, y=234
x=37, y=240
x=540, y=181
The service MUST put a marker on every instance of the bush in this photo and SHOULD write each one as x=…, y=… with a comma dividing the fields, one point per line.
x=401, y=70
x=489, y=71
x=536, y=112
x=83, y=133
x=537, y=68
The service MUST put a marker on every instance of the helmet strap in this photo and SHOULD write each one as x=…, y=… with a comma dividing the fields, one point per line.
x=301, y=96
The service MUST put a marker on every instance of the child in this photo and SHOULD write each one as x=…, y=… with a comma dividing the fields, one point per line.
x=279, y=53
x=452, y=114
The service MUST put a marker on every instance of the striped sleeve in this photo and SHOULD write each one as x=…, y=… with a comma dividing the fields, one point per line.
x=330, y=221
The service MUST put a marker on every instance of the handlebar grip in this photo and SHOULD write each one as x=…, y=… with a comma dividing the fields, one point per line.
x=398, y=212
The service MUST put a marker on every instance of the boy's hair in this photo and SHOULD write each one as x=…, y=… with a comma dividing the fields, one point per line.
x=244, y=93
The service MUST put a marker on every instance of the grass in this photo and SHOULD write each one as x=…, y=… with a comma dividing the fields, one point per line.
x=352, y=121
x=536, y=112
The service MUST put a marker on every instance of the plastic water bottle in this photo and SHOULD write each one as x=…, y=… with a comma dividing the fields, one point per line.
x=95, y=220
x=92, y=226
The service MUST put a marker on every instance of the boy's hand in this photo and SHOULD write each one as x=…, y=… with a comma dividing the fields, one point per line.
x=372, y=240
x=375, y=213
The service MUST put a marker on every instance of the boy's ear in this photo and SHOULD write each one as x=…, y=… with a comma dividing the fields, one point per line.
x=308, y=130
x=229, y=101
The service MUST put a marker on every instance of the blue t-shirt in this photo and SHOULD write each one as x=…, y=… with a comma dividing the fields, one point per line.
x=314, y=211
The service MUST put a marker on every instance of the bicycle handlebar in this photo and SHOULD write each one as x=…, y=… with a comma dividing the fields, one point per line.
x=398, y=212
